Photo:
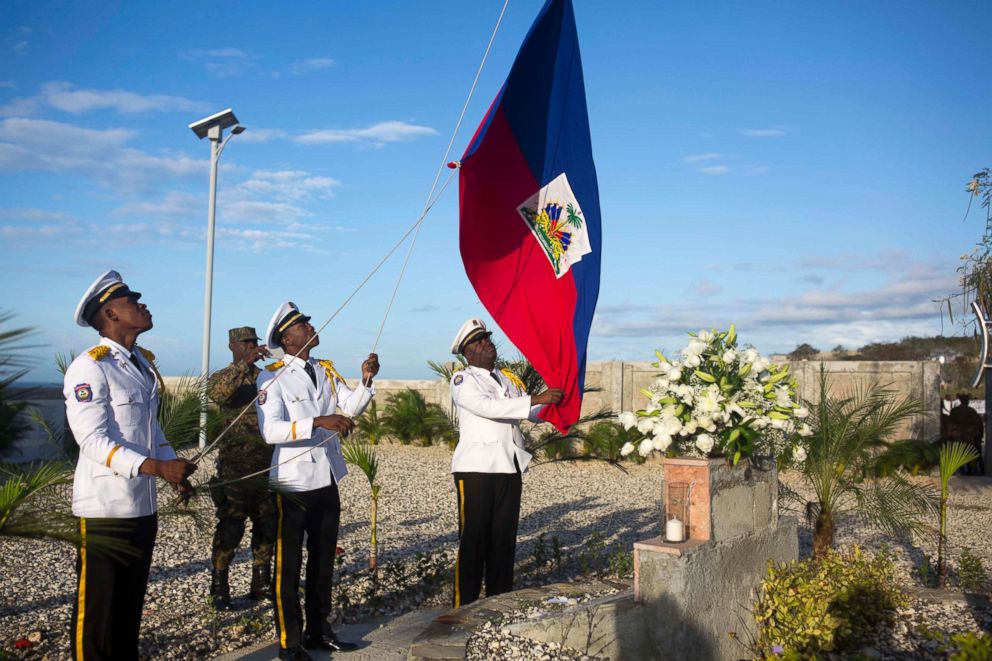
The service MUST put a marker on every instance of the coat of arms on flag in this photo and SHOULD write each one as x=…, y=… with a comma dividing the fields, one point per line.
x=555, y=219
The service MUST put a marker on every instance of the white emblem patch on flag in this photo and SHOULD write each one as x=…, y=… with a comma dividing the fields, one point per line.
x=555, y=219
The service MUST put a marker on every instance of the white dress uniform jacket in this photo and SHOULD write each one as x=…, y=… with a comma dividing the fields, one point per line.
x=286, y=408
x=489, y=415
x=112, y=409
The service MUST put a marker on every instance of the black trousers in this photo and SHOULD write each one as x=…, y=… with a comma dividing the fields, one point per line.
x=488, y=512
x=112, y=564
x=316, y=513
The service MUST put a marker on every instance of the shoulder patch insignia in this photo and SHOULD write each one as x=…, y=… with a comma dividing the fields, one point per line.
x=458, y=379
x=83, y=392
x=274, y=366
x=262, y=396
x=99, y=352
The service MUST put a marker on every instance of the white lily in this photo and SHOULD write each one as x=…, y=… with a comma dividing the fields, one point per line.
x=628, y=420
x=645, y=447
x=626, y=449
x=661, y=442
x=704, y=442
x=799, y=454
x=644, y=425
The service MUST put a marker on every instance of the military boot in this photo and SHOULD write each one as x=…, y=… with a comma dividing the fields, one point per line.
x=220, y=591
x=261, y=582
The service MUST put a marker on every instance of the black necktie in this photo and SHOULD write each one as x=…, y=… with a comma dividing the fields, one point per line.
x=493, y=374
x=313, y=375
x=134, y=359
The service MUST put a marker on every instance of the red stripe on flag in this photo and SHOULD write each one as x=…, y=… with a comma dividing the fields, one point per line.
x=510, y=271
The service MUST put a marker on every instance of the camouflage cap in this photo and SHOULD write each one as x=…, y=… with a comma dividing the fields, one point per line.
x=243, y=333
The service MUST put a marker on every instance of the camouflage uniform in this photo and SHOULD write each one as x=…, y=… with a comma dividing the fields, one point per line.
x=242, y=451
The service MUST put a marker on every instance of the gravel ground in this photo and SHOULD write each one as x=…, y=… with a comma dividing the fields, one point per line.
x=569, y=503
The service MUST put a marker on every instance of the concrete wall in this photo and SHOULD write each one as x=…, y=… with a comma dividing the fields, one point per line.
x=618, y=387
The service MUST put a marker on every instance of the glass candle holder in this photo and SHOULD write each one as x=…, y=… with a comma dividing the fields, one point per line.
x=676, y=511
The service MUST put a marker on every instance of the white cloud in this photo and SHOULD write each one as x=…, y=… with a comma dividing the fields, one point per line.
x=220, y=62
x=289, y=184
x=7, y=84
x=174, y=204
x=260, y=211
x=903, y=304
x=774, y=132
x=261, y=135
x=313, y=64
x=65, y=97
x=213, y=53
x=714, y=169
x=101, y=154
x=704, y=287
x=62, y=96
x=20, y=48
x=377, y=134
x=708, y=156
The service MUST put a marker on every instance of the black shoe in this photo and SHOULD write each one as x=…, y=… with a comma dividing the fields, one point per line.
x=331, y=643
x=220, y=592
x=261, y=583
x=294, y=654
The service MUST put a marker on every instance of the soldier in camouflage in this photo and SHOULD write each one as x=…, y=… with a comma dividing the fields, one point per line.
x=242, y=451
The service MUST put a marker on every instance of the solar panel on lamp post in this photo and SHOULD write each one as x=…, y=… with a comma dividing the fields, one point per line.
x=211, y=127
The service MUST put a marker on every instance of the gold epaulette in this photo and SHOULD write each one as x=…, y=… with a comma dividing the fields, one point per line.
x=331, y=373
x=275, y=366
x=98, y=352
x=515, y=380
x=149, y=356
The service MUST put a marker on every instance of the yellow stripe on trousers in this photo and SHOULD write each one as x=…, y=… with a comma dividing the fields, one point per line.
x=461, y=527
x=282, y=617
x=81, y=592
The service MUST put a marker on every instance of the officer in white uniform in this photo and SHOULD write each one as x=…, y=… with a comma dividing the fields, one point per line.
x=298, y=398
x=111, y=398
x=488, y=463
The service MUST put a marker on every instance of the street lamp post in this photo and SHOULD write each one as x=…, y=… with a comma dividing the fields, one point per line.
x=213, y=128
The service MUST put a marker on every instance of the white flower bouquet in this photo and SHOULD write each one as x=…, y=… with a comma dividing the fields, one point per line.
x=719, y=400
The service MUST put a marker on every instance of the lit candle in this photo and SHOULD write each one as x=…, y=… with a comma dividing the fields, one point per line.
x=674, y=531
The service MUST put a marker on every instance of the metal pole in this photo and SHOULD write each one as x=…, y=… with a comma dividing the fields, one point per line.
x=215, y=135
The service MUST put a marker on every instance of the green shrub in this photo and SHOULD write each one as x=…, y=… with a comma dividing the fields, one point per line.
x=971, y=571
x=964, y=646
x=409, y=418
x=831, y=604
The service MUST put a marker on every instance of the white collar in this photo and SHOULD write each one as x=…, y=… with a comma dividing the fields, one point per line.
x=293, y=360
x=107, y=342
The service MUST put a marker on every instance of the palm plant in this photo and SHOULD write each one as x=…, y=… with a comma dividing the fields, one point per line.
x=953, y=457
x=370, y=425
x=848, y=433
x=447, y=370
x=409, y=418
x=14, y=361
x=363, y=457
x=552, y=445
x=606, y=438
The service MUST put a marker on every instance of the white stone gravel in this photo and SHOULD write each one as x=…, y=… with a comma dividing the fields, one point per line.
x=573, y=502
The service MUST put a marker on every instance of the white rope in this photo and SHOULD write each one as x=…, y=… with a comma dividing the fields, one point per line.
x=440, y=168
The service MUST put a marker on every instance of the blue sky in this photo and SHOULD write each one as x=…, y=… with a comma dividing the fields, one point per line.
x=795, y=168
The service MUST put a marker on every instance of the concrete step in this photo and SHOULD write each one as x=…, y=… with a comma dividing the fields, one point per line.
x=381, y=639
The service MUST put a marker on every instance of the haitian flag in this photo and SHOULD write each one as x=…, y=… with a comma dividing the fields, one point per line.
x=529, y=209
